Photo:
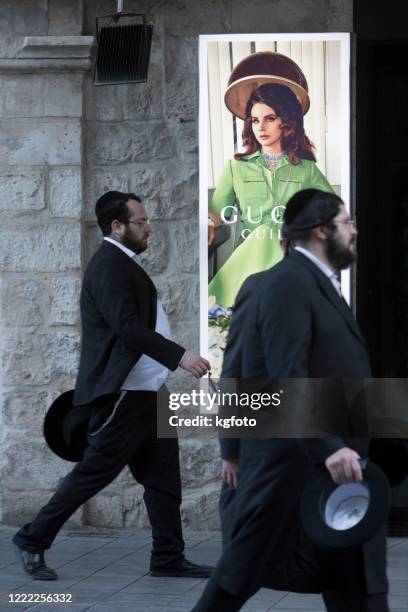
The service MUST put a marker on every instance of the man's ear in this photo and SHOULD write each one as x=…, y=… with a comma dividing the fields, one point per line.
x=320, y=232
x=116, y=228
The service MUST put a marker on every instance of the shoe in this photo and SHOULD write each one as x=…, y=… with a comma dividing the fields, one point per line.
x=183, y=569
x=34, y=565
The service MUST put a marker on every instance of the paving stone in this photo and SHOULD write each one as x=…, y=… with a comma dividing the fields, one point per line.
x=402, y=562
x=120, y=586
x=398, y=573
x=72, y=607
x=149, y=585
x=15, y=606
x=398, y=603
x=305, y=603
x=399, y=587
x=398, y=552
x=124, y=608
x=147, y=599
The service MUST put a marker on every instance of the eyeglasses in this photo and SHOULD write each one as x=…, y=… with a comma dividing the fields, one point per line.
x=349, y=222
x=141, y=223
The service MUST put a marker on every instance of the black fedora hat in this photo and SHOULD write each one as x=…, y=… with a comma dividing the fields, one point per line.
x=346, y=515
x=65, y=427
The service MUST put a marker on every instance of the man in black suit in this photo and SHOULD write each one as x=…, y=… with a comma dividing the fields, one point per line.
x=126, y=354
x=292, y=322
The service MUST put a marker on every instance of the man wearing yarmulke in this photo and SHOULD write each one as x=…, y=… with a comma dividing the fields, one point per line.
x=126, y=355
x=291, y=321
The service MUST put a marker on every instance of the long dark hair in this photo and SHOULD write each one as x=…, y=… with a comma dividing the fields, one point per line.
x=295, y=143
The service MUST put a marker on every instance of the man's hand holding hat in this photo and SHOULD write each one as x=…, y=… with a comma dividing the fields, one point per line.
x=344, y=466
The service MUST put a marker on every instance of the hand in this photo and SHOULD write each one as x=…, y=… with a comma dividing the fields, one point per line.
x=229, y=472
x=195, y=364
x=344, y=466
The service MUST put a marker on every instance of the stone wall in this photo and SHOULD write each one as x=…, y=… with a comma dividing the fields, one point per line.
x=41, y=182
x=63, y=142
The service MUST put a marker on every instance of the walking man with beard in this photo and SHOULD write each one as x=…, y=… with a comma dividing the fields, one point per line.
x=292, y=322
x=126, y=354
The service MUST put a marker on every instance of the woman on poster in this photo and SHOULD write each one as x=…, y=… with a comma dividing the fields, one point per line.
x=269, y=91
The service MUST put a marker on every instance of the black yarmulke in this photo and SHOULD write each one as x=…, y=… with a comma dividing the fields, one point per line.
x=308, y=209
x=298, y=204
x=108, y=197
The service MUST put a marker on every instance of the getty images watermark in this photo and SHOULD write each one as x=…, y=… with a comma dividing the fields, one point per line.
x=219, y=401
x=282, y=408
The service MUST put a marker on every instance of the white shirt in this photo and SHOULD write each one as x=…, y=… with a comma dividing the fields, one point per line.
x=122, y=247
x=322, y=266
x=147, y=374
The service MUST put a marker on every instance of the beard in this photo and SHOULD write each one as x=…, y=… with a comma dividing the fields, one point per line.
x=340, y=256
x=138, y=245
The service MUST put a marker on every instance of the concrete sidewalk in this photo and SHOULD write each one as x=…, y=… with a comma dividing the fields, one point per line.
x=108, y=573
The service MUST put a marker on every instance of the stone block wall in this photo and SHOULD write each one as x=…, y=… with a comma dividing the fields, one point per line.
x=64, y=142
x=41, y=183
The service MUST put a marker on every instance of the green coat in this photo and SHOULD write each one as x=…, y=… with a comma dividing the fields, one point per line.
x=260, y=196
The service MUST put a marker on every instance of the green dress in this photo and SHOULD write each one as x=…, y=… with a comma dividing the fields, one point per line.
x=261, y=197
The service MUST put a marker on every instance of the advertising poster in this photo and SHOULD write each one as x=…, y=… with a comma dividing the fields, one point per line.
x=252, y=160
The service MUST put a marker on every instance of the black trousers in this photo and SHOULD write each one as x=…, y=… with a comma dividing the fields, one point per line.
x=262, y=515
x=118, y=437
x=215, y=598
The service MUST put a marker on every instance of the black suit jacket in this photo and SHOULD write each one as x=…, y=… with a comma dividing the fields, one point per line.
x=118, y=313
x=290, y=322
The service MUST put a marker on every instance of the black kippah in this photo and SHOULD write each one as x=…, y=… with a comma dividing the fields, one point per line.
x=108, y=197
x=304, y=211
x=297, y=204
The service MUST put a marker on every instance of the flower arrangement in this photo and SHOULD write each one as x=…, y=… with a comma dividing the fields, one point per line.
x=219, y=321
x=219, y=316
